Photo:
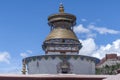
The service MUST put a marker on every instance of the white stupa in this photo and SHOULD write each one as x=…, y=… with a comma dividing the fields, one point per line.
x=61, y=50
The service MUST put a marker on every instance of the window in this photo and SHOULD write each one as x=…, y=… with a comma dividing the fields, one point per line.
x=65, y=70
x=63, y=40
x=64, y=67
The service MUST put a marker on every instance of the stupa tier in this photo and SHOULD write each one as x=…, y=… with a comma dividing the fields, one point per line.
x=62, y=39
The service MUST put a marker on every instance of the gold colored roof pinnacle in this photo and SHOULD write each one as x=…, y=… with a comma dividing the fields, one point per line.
x=24, y=67
x=61, y=8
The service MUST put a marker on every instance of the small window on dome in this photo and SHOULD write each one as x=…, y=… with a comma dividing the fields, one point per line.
x=63, y=40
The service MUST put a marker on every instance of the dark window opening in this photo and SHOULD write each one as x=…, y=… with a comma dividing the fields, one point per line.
x=63, y=40
x=64, y=70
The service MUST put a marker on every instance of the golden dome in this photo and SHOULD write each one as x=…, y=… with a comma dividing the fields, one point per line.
x=62, y=34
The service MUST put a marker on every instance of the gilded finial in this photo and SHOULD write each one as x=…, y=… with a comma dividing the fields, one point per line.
x=24, y=67
x=61, y=8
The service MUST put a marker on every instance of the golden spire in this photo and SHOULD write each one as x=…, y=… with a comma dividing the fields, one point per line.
x=24, y=67
x=61, y=8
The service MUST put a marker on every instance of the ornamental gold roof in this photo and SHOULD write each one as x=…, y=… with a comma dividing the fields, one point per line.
x=61, y=33
x=61, y=16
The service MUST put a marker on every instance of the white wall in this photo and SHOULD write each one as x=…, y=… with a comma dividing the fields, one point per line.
x=49, y=66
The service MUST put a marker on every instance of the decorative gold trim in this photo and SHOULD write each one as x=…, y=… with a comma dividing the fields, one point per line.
x=61, y=8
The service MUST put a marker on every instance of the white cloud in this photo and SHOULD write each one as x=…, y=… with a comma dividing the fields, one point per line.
x=91, y=49
x=89, y=46
x=83, y=19
x=91, y=30
x=91, y=35
x=26, y=53
x=5, y=57
x=81, y=29
x=103, y=30
x=114, y=47
x=29, y=51
x=116, y=44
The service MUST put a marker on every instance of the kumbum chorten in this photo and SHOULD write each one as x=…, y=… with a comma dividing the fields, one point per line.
x=61, y=50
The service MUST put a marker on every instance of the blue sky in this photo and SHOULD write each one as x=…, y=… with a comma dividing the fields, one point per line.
x=23, y=28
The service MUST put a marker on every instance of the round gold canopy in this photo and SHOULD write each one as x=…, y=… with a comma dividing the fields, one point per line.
x=61, y=33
